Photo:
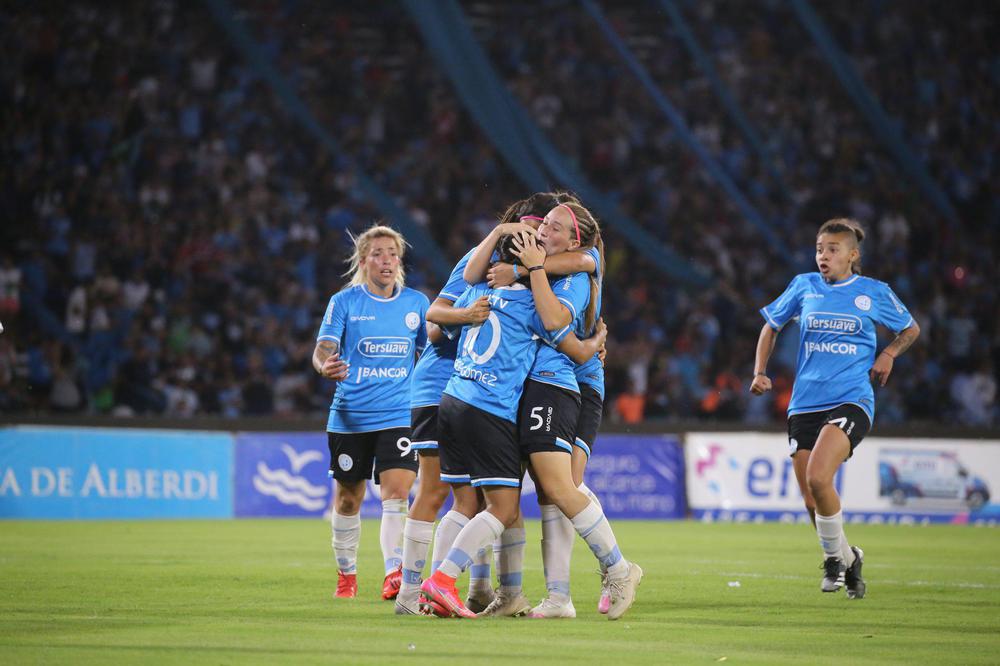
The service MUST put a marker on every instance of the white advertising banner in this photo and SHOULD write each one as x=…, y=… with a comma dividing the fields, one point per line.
x=748, y=477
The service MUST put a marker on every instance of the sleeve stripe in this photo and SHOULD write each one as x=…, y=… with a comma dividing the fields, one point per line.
x=767, y=315
x=569, y=305
x=328, y=337
x=450, y=297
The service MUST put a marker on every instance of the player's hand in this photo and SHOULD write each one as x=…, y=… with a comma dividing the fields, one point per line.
x=334, y=368
x=881, y=369
x=761, y=384
x=512, y=228
x=527, y=250
x=500, y=275
x=478, y=311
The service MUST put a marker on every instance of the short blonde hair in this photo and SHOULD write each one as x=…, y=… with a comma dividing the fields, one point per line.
x=363, y=245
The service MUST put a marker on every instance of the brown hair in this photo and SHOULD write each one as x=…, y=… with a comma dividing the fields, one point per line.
x=590, y=236
x=845, y=225
x=363, y=245
x=537, y=205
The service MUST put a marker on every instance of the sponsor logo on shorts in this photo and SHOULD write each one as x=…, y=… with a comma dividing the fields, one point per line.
x=863, y=303
x=412, y=320
x=345, y=462
x=832, y=322
x=384, y=347
x=793, y=445
x=831, y=348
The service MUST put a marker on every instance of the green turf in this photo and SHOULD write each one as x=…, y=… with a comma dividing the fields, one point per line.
x=260, y=592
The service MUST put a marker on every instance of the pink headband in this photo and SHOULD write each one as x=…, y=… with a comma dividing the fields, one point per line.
x=575, y=224
x=530, y=217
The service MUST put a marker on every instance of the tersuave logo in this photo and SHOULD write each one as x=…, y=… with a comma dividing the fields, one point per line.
x=384, y=347
x=832, y=322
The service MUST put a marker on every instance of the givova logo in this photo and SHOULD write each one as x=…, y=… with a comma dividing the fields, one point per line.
x=833, y=322
x=291, y=489
x=384, y=347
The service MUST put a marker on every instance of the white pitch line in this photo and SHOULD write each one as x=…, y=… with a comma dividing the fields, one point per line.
x=905, y=583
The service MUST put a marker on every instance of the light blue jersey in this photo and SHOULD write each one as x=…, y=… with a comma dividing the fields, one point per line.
x=837, y=338
x=552, y=366
x=437, y=363
x=379, y=338
x=494, y=357
x=591, y=373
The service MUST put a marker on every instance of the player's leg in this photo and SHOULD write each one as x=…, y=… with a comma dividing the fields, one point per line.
x=832, y=448
x=419, y=530
x=351, y=460
x=557, y=545
x=396, y=469
x=588, y=423
x=494, y=465
x=800, y=460
x=501, y=510
x=481, y=594
x=554, y=473
x=844, y=428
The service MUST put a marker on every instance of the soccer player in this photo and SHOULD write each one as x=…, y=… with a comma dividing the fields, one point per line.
x=478, y=426
x=833, y=404
x=557, y=530
x=432, y=373
x=371, y=334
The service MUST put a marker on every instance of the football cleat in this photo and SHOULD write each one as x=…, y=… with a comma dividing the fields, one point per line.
x=408, y=606
x=439, y=589
x=604, y=603
x=852, y=576
x=347, y=586
x=479, y=601
x=622, y=591
x=505, y=605
x=833, y=574
x=553, y=608
x=390, y=586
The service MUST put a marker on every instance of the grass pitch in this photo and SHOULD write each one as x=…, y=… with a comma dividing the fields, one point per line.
x=259, y=591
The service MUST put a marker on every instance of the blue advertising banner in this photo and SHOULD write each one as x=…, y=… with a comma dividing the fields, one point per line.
x=638, y=476
x=285, y=474
x=48, y=472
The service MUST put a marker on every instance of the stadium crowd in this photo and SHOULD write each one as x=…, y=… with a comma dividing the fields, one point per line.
x=171, y=234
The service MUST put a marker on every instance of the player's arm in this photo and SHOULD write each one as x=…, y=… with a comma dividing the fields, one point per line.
x=554, y=315
x=564, y=263
x=479, y=262
x=443, y=313
x=581, y=351
x=434, y=333
x=882, y=367
x=765, y=347
x=327, y=362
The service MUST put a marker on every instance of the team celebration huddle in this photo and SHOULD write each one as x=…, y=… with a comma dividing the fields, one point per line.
x=503, y=375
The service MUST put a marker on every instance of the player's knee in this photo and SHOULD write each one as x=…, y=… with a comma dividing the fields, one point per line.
x=434, y=493
x=505, y=514
x=818, y=484
x=347, y=504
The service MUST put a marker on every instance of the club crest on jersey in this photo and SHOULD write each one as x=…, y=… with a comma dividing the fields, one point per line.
x=833, y=323
x=862, y=302
x=384, y=347
x=412, y=320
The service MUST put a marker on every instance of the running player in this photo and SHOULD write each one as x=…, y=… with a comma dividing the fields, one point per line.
x=372, y=333
x=833, y=404
x=490, y=373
